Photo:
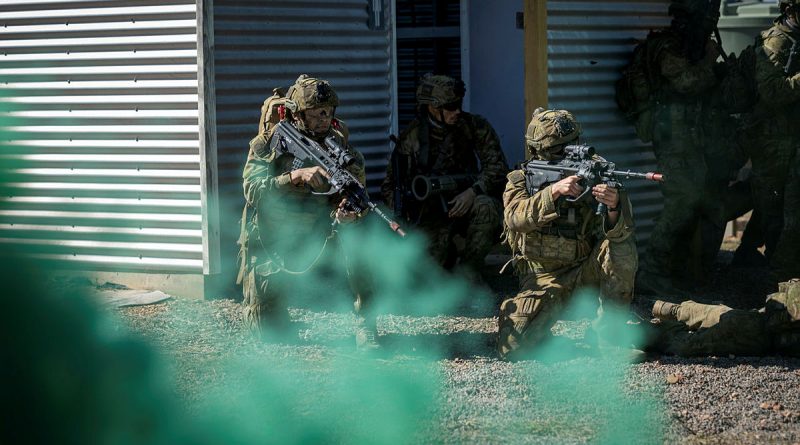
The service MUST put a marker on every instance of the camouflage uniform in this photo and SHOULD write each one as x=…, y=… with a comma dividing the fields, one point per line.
x=559, y=246
x=683, y=154
x=693, y=329
x=776, y=165
x=284, y=226
x=431, y=148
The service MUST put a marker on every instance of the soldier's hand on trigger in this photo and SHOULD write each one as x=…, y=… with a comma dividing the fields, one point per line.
x=569, y=186
x=343, y=215
x=607, y=195
x=316, y=177
x=461, y=203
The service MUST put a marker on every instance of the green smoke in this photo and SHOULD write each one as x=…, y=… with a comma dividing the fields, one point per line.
x=587, y=391
x=72, y=374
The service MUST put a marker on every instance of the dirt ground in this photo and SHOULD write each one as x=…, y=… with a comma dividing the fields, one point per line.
x=480, y=399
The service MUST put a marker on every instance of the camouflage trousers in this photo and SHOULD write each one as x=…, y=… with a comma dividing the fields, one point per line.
x=693, y=217
x=526, y=319
x=785, y=262
x=266, y=288
x=771, y=168
x=703, y=329
x=480, y=227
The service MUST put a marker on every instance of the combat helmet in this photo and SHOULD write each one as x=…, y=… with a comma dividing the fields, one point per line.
x=309, y=92
x=550, y=129
x=783, y=317
x=439, y=90
x=786, y=5
x=691, y=8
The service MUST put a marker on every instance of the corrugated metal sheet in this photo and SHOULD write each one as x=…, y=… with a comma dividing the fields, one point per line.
x=416, y=57
x=588, y=44
x=428, y=41
x=265, y=44
x=261, y=45
x=100, y=143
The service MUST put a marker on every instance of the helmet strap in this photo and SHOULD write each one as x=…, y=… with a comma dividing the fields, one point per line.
x=791, y=18
x=299, y=121
x=430, y=112
x=300, y=124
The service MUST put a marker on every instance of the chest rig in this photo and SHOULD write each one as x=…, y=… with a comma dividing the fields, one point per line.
x=574, y=218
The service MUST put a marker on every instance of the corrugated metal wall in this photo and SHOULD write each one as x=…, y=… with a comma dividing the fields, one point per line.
x=428, y=41
x=588, y=44
x=100, y=143
x=265, y=44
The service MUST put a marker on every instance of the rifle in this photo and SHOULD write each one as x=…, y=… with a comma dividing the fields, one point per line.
x=400, y=191
x=579, y=160
x=334, y=159
x=789, y=69
x=425, y=187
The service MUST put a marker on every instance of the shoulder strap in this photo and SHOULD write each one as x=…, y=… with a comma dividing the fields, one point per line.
x=423, y=160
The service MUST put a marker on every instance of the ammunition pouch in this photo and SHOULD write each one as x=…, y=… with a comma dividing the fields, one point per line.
x=536, y=246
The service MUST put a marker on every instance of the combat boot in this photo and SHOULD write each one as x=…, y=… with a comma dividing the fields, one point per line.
x=366, y=334
x=665, y=311
x=748, y=257
x=649, y=283
x=268, y=323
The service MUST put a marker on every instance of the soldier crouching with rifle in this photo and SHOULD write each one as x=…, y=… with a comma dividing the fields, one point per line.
x=291, y=201
x=446, y=176
x=569, y=225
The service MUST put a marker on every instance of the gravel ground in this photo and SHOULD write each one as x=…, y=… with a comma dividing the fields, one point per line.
x=479, y=399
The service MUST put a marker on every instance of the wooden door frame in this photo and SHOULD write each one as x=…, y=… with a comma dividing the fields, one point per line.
x=535, y=23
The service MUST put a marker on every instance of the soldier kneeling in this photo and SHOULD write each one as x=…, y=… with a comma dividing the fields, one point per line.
x=559, y=246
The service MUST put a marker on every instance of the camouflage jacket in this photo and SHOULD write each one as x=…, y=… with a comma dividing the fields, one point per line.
x=779, y=92
x=683, y=90
x=472, y=146
x=277, y=214
x=551, y=235
x=680, y=80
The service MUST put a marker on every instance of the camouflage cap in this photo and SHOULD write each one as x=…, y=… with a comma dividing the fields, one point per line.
x=548, y=129
x=309, y=92
x=438, y=90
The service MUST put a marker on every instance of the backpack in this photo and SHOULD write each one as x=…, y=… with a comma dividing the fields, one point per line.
x=783, y=317
x=738, y=90
x=637, y=86
x=270, y=114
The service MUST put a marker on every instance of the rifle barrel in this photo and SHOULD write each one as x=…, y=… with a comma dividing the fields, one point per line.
x=392, y=223
x=627, y=174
